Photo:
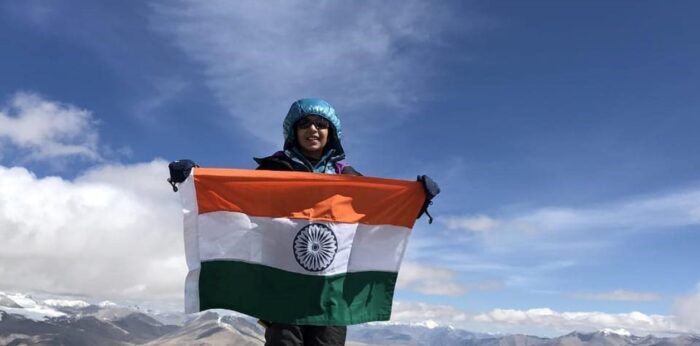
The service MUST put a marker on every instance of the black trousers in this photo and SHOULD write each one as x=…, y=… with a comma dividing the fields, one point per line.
x=277, y=334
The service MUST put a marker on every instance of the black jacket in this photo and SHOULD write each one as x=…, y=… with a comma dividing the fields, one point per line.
x=281, y=162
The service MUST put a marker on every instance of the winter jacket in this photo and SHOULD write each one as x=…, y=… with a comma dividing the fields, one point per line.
x=280, y=161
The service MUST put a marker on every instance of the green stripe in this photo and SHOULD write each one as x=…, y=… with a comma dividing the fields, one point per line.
x=285, y=297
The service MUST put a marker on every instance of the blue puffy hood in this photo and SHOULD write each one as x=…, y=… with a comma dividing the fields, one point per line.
x=319, y=107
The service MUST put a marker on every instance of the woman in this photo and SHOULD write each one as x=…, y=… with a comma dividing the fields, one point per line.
x=312, y=134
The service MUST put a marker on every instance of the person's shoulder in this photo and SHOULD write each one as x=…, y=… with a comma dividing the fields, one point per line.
x=276, y=156
x=275, y=162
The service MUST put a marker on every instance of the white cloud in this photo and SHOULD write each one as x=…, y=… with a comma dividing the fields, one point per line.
x=477, y=223
x=115, y=231
x=433, y=280
x=666, y=210
x=258, y=57
x=166, y=90
x=565, y=229
x=47, y=129
x=415, y=312
x=635, y=322
x=620, y=295
x=541, y=321
x=686, y=308
x=429, y=280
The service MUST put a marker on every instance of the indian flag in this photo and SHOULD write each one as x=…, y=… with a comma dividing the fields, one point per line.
x=295, y=247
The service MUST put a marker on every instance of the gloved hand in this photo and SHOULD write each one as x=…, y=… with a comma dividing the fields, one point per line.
x=179, y=171
x=431, y=190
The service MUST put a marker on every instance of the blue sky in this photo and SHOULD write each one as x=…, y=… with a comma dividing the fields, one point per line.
x=563, y=136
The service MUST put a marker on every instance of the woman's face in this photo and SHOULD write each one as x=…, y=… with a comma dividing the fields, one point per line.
x=312, y=135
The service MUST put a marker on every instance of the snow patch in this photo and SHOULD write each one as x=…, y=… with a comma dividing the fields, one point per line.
x=66, y=303
x=23, y=300
x=30, y=308
x=430, y=324
x=106, y=303
x=218, y=312
x=7, y=302
x=621, y=332
x=38, y=313
x=225, y=325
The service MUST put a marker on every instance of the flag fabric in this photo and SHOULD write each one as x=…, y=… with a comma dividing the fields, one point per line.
x=295, y=247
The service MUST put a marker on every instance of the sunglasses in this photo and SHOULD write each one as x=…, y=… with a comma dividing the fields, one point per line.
x=320, y=123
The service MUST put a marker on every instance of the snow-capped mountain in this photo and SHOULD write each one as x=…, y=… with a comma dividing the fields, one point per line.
x=28, y=320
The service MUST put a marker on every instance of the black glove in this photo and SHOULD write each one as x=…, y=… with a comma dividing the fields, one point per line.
x=179, y=171
x=431, y=190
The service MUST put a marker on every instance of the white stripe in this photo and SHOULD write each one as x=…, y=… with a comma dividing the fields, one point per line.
x=269, y=241
x=191, y=211
x=192, y=292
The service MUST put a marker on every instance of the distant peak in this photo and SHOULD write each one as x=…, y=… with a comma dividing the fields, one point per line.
x=621, y=332
x=430, y=324
x=106, y=303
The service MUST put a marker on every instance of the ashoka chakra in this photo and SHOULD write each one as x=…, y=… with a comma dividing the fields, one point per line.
x=315, y=247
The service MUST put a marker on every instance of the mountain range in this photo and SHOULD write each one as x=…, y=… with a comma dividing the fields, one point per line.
x=25, y=320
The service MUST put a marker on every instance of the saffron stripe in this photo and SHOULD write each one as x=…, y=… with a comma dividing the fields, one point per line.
x=309, y=196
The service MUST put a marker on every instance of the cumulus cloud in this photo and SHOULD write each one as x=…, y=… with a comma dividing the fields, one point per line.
x=433, y=280
x=620, y=295
x=429, y=280
x=259, y=56
x=47, y=129
x=686, y=309
x=115, y=231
